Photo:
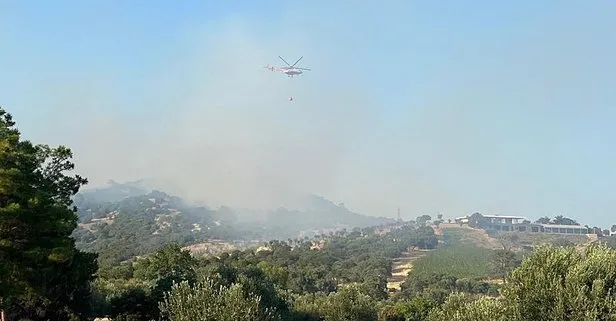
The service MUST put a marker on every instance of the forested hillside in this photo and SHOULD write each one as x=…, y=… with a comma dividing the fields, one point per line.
x=141, y=274
x=125, y=220
x=140, y=224
x=295, y=279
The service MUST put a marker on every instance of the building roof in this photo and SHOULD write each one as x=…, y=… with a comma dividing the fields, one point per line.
x=563, y=226
x=505, y=216
x=495, y=216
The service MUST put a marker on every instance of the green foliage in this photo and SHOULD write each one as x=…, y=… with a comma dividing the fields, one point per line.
x=558, y=220
x=347, y=266
x=544, y=220
x=42, y=274
x=457, y=266
x=119, y=228
x=562, y=242
x=503, y=262
x=168, y=261
x=416, y=309
x=476, y=220
x=363, y=257
x=458, y=260
x=554, y=283
x=610, y=241
x=133, y=305
x=568, y=284
x=421, y=220
x=253, y=281
x=348, y=304
x=140, y=225
x=530, y=239
x=208, y=301
x=437, y=287
x=139, y=286
x=462, y=307
x=45, y=277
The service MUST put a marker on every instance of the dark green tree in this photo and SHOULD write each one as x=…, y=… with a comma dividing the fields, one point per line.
x=554, y=283
x=561, y=220
x=544, y=220
x=171, y=261
x=42, y=274
x=415, y=309
x=208, y=300
x=463, y=307
x=509, y=240
x=134, y=305
x=347, y=304
x=477, y=221
x=503, y=262
x=421, y=220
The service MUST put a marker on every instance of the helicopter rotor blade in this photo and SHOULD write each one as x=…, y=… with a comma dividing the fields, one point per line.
x=300, y=58
x=284, y=61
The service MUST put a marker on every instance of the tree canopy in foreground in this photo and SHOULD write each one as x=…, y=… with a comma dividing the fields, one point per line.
x=42, y=274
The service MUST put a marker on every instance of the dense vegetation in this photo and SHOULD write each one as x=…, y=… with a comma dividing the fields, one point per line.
x=42, y=275
x=139, y=225
x=300, y=269
x=336, y=277
x=124, y=220
x=462, y=260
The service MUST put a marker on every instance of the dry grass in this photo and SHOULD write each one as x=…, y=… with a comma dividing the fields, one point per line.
x=473, y=236
x=401, y=267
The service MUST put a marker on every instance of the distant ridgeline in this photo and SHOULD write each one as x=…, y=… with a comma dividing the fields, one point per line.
x=125, y=220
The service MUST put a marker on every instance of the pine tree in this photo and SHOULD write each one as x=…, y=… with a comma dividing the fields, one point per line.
x=42, y=274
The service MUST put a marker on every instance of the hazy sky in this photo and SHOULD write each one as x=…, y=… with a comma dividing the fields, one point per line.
x=431, y=106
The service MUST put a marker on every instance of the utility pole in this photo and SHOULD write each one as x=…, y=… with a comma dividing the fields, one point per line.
x=399, y=218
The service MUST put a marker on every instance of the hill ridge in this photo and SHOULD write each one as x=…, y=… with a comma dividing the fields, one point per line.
x=127, y=220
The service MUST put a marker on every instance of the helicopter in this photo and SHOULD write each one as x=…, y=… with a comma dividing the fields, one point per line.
x=289, y=70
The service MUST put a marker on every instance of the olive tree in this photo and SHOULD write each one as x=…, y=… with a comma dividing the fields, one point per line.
x=553, y=284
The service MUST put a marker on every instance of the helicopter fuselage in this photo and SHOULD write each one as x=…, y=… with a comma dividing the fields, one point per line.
x=292, y=72
x=289, y=70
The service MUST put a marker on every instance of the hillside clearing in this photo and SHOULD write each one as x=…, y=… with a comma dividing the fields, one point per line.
x=468, y=235
x=401, y=267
